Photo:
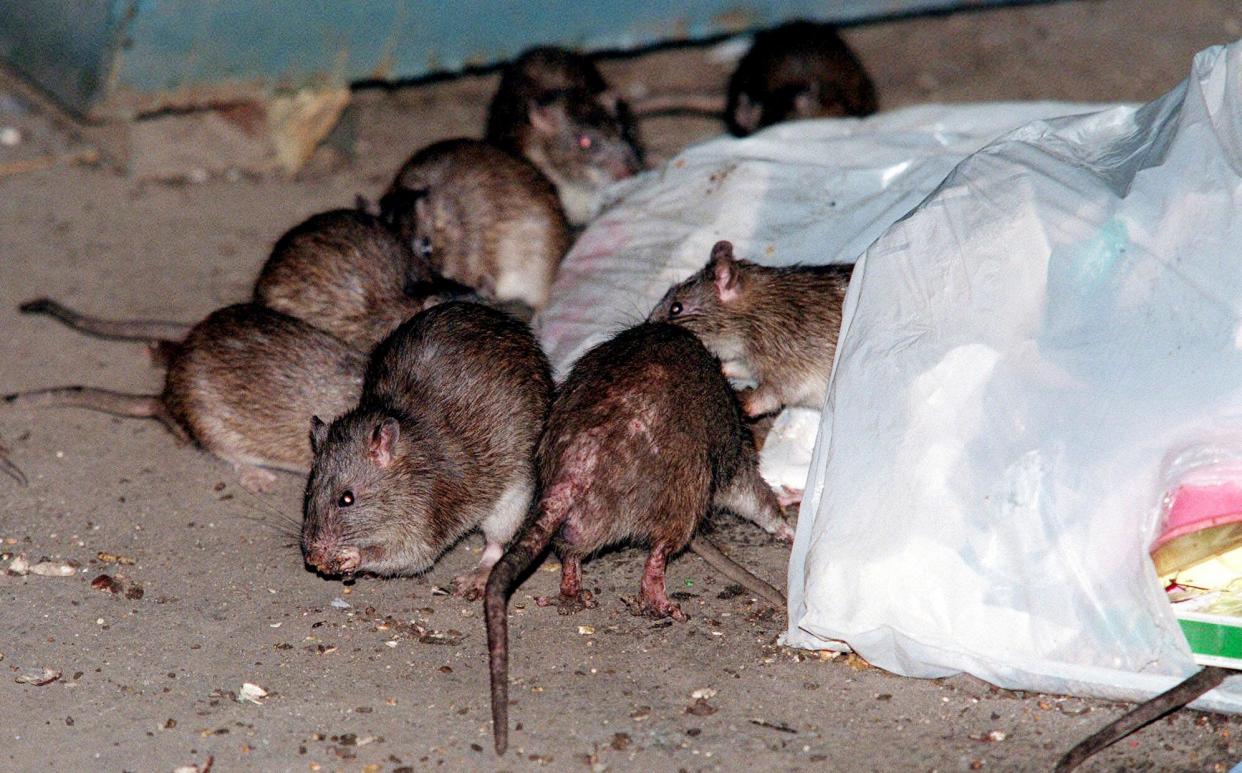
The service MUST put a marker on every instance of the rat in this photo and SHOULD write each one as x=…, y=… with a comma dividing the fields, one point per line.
x=440, y=442
x=644, y=438
x=243, y=385
x=481, y=217
x=778, y=326
x=799, y=70
x=342, y=271
x=346, y=272
x=554, y=108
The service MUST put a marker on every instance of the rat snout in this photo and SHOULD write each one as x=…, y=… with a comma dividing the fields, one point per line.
x=623, y=165
x=333, y=559
x=347, y=559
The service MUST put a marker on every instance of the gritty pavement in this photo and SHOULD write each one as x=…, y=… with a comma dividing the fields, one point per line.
x=207, y=591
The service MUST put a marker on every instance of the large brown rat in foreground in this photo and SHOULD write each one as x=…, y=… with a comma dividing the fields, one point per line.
x=243, y=384
x=643, y=439
x=480, y=217
x=554, y=108
x=440, y=442
x=778, y=326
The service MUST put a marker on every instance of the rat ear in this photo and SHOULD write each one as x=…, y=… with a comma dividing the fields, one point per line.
x=546, y=119
x=318, y=434
x=609, y=101
x=747, y=114
x=724, y=271
x=384, y=441
x=806, y=104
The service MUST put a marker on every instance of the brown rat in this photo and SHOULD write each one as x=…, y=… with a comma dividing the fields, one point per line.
x=343, y=271
x=801, y=69
x=440, y=442
x=554, y=108
x=346, y=272
x=480, y=217
x=243, y=385
x=778, y=326
x=644, y=437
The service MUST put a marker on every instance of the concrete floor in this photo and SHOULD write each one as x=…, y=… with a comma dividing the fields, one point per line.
x=398, y=680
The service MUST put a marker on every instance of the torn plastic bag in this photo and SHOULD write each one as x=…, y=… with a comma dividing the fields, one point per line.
x=807, y=192
x=1021, y=355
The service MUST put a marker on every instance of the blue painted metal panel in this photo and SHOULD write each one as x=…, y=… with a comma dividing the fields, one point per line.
x=61, y=46
x=120, y=57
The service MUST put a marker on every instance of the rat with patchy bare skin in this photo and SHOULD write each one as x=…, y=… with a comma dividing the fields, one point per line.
x=644, y=438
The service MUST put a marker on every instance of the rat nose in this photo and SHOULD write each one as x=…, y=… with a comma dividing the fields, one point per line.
x=332, y=559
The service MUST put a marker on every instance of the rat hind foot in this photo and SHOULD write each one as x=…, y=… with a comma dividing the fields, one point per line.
x=256, y=480
x=471, y=584
x=569, y=605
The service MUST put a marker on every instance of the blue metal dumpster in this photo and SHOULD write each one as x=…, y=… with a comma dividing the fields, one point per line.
x=117, y=59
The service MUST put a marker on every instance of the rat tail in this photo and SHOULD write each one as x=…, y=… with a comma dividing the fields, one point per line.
x=104, y=400
x=530, y=544
x=122, y=329
x=710, y=105
x=116, y=403
x=732, y=570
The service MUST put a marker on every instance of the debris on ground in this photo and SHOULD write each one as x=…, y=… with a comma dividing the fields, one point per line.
x=39, y=679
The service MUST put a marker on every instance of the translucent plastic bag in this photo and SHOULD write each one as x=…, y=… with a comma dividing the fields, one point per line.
x=808, y=192
x=1021, y=354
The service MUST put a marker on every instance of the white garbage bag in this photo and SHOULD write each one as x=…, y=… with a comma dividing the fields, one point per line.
x=808, y=192
x=1021, y=355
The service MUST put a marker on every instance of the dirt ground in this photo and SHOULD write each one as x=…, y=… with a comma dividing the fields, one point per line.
x=391, y=675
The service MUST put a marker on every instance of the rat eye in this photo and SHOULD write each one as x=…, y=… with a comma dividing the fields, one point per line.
x=674, y=310
x=422, y=247
x=584, y=142
x=346, y=499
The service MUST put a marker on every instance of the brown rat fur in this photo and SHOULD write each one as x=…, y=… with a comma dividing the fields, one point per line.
x=440, y=442
x=644, y=437
x=480, y=217
x=345, y=272
x=243, y=385
x=554, y=108
x=797, y=70
x=778, y=326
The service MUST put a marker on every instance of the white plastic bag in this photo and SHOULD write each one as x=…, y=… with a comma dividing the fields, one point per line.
x=808, y=192
x=1020, y=354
